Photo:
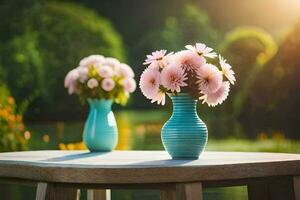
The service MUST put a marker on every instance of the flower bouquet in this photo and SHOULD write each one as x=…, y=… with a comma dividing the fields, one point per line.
x=101, y=81
x=187, y=76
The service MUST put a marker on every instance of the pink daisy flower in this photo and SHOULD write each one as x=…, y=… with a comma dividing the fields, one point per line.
x=154, y=65
x=227, y=70
x=108, y=84
x=150, y=82
x=129, y=85
x=160, y=98
x=188, y=60
x=173, y=77
x=92, y=83
x=202, y=50
x=158, y=58
x=217, y=97
x=209, y=78
x=105, y=71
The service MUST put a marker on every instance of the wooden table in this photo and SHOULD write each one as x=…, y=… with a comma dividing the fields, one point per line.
x=59, y=174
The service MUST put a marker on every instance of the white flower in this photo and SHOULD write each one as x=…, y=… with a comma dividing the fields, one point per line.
x=92, y=83
x=129, y=85
x=125, y=71
x=91, y=60
x=227, y=70
x=70, y=81
x=105, y=71
x=202, y=50
x=83, y=73
x=71, y=77
x=108, y=84
x=112, y=62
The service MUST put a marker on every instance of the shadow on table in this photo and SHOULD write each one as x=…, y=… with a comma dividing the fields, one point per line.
x=163, y=163
x=74, y=156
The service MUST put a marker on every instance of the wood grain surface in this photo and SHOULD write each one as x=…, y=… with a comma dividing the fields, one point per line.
x=189, y=191
x=51, y=191
x=122, y=167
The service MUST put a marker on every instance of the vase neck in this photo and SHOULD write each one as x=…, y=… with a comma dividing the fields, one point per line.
x=183, y=103
x=102, y=104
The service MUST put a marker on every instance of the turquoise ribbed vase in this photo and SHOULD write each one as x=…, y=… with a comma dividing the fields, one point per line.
x=100, y=130
x=184, y=135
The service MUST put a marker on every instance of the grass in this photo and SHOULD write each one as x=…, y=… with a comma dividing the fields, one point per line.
x=266, y=145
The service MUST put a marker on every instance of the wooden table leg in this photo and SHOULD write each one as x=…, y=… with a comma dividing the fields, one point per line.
x=296, y=181
x=52, y=191
x=183, y=191
x=189, y=191
x=281, y=188
x=98, y=195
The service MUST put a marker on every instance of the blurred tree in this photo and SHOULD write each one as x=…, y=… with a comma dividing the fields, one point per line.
x=277, y=90
x=50, y=40
x=247, y=49
x=188, y=26
x=191, y=26
x=136, y=21
x=11, y=123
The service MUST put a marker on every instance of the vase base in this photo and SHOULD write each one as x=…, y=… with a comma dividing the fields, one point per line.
x=99, y=151
x=185, y=158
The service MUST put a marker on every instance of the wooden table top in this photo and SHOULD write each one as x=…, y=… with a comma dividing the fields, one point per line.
x=122, y=167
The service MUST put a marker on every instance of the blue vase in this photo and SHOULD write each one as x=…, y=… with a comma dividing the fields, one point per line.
x=100, y=130
x=184, y=135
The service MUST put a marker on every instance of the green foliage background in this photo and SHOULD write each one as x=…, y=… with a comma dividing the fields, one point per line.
x=278, y=88
x=11, y=123
x=248, y=49
x=54, y=37
x=41, y=40
x=44, y=39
